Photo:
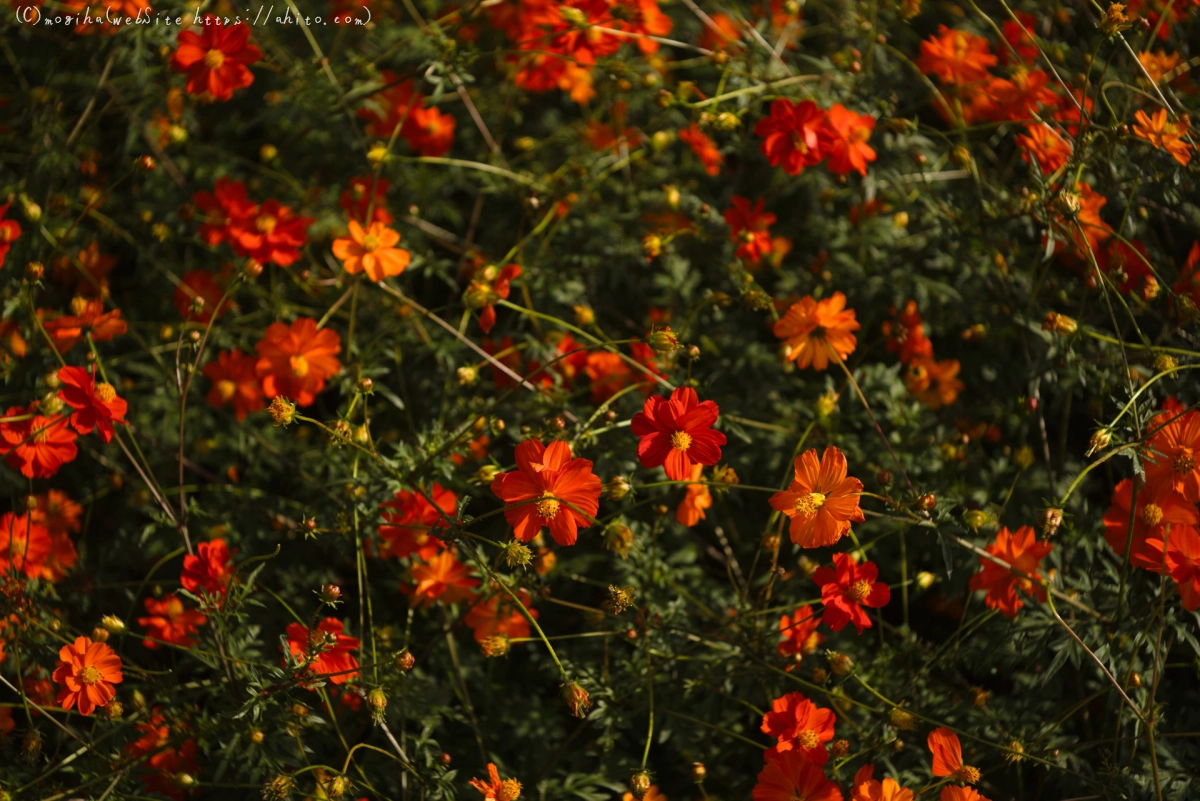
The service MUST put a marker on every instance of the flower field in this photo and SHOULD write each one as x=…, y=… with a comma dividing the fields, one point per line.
x=633, y=400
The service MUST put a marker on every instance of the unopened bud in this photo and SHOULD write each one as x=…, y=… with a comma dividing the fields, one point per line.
x=902, y=720
x=979, y=696
x=377, y=698
x=698, y=771
x=113, y=624
x=405, y=661
x=1163, y=363
x=974, y=519
x=487, y=473
x=584, y=315
x=639, y=784
x=617, y=488
x=1060, y=324
x=884, y=478
x=925, y=579
x=1023, y=457
x=34, y=271
x=331, y=594
x=927, y=502
x=577, y=700
x=840, y=664
x=466, y=375
x=516, y=554
x=1051, y=519
x=839, y=748
x=618, y=538
x=493, y=647
x=663, y=341
x=1099, y=441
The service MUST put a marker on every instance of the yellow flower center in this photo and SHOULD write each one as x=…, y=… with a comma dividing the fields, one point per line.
x=808, y=739
x=41, y=434
x=299, y=366
x=547, y=507
x=370, y=243
x=681, y=440
x=859, y=590
x=800, y=142
x=968, y=774
x=960, y=47
x=265, y=223
x=1152, y=514
x=214, y=59
x=510, y=790
x=807, y=505
x=226, y=389
x=105, y=392
x=1184, y=462
x=90, y=675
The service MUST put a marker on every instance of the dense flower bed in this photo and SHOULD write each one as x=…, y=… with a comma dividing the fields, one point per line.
x=599, y=399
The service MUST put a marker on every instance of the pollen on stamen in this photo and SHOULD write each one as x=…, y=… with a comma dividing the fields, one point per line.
x=681, y=440
x=807, y=505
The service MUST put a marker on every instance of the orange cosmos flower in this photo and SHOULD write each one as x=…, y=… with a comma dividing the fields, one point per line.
x=906, y=336
x=1157, y=507
x=1173, y=453
x=37, y=446
x=691, y=509
x=210, y=570
x=409, y=516
x=217, y=60
x=847, y=588
x=956, y=57
x=821, y=500
x=799, y=632
x=792, y=135
x=86, y=674
x=57, y=512
x=295, y=360
x=87, y=273
x=677, y=433
x=1159, y=64
x=1165, y=135
x=947, y=756
x=810, y=328
x=498, y=616
x=935, y=383
x=170, y=622
x=548, y=488
x=748, y=228
x=799, y=724
x=1024, y=553
x=844, y=139
x=97, y=405
x=25, y=546
x=703, y=147
x=865, y=788
x=954, y=793
x=325, y=651
x=652, y=794
x=1183, y=563
x=372, y=251
x=792, y=777
x=270, y=233
x=495, y=790
x=164, y=763
x=441, y=578
x=87, y=317
x=1041, y=144
x=234, y=380
x=10, y=231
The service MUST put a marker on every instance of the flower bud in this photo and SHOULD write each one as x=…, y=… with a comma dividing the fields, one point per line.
x=617, y=488
x=31, y=746
x=377, y=699
x=99, y=634
x=901, y=719
x=578, y=702
x=662, y=341
x=282, y=411
x=673, y=197
x=113, y=710
x=492, y=647
x=974, y=519
x=639, y=784
x=807, y=566
x=618, y=538
x=1099, y=441
x=1015, y=753
x=925, y=579
x=584, y=315
x=839, y=748
x=268, y=152
x=279, y=788
x=1163, y=363
x=1150, y=288
x=840, y=664
x=331, y=594
x=517, y=554
x=819, y=675
x=257, y=736
x=1060, y=324
x=1023, y=457
x=884, y=478
x=979, y=696
x=827, y=404
x=405, y=661
x=619, y=599
x=487, y=473
x=698, y=772
x=1051, y=519
x=927, y=502
x=34, y=271
x=138, y=700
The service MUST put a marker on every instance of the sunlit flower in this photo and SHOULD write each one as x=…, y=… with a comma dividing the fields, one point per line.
x=97, y=406
x=371, y=251
x=799, y=632
x=325, y=651
x=408, y=518
x=1158, y=506
x=847, y=588
x=549, y=489
x=295, y=360
x=811, y=329
x=217, y=58
x=442, y=578
x=25, y=545
x=170, y=621
x=956, y=57
x=498, y=616
x=209, y=570
x=37, y=446
x=844, y=140
x=935, y=383
x=494, y=789
x=865, y=788
x=800, y=725
x=272, y=233
x=821, y=500
x=1164, y=134
x=10, y=231
x=86, y=673
x=703, y=147
x=87, y=318
x=947, y=756
x=1042, y=144
x=691, y=509
x=748, y=228
x=203, y=286
x=1174, y=450
x=792, y=777
x=1183, y=564
x=1024, y=553
x=676, y=433
x=792, y=135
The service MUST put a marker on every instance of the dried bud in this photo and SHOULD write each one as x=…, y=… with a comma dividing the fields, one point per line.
x=339, y=432
x=639, y=784
x=901, y=719
x=1068, y=204
x=113, y=710
x=698, y=772
x=662, y=341
x=492, y=647
x=1023, y=457
x=1115, y=20
x=1060, y=324
x=279, y=789
x=820, y=675
x=618, y=538
x=619, y=599
x=1099, y=441
x=577, y=699
x=839, y=748
x=282, y=411
x=840, y=664
x=724, y=477
x=516, y=554
x=331, y=594
x=617, y=488
x=31, y=746
x=113, y=624
x=1015, y=753
x=974, y=519
x=1051, y=519
x=405, y=661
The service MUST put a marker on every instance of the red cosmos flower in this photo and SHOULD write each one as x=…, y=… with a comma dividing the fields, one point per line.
x=97, y=405
x=86, y=673
x=821, y=500
x=691, y=509
x=947, y=756
x=210, y=570
x=799, y=632
x=865, y=788
x=955, y=793
x=703, y=147
x=1183, y=563
x=225, y=205
x=567, y=363
x=488, y=286
x=25, y=546
x=956, y=57
x=203, y=286
x=641, y=17
x=217, y=60
x=1158, y=507
x=1173, y=451
x=844, y=139
x=811, y=329
x=57, y=512
x=39, y=446
x=800, y=725
x=273, y=233
x=727, y=33
x=355, y=200
x=749, y=228
x=407, y=527
x=1023, y=552
x=498, y=616
x=234, y=380
x=1045, y=147
x=847, y=588
x=792, y=777
x=677, y=433
x=324, y=650
x=442, y=578
x=1019, y=34
x=10, y=231
x=431, y=133
x=428, y=131
x=170, y=622
x=165, y=763
x=87, y=317
x=1022, y=97
x=906, y=336
x=548, y=488
x=1126, y=263
x=295, y=360
x=792, y=135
